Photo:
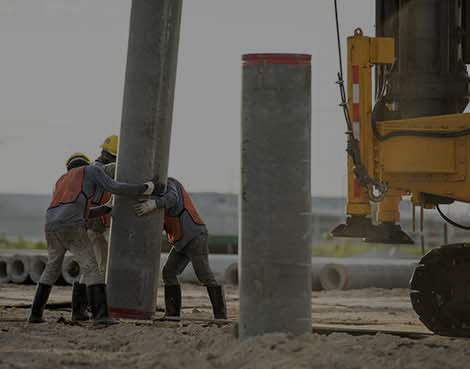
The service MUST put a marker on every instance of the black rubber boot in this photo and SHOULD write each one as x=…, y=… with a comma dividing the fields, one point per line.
x=99, y=305
x=172, y=300
x=216, y=295
x=39, y=303
x=79, y=302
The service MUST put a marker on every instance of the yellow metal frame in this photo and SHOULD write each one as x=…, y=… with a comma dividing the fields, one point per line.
x=365, y=52
x=416, y=165
x=438, y=166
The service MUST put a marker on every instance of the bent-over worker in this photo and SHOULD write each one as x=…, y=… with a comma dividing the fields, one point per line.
x=187, y=233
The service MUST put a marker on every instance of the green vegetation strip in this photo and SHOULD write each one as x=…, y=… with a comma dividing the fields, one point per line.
x=20, y=243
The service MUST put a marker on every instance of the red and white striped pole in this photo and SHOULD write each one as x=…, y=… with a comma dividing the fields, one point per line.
x=355, y=103
x=356, y=117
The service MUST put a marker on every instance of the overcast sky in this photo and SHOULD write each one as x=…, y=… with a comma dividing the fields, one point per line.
x=62, y=74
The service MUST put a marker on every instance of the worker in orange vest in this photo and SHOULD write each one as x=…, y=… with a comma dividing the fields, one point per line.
x=187, y=233
x=65, y=228
x=98, y=228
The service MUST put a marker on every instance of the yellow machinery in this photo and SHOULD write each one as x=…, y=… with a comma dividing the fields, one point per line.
x=413, y=140
x=394, y=153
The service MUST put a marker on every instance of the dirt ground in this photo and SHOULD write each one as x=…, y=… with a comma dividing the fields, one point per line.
x=200, y=345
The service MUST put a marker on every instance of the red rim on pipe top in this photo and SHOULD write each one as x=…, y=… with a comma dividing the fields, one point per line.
x=270, y=58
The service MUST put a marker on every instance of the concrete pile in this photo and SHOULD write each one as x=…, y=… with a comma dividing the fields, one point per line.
x=26, y=266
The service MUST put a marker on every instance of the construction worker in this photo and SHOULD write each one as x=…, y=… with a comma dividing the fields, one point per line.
x=187, y=234
x=98, y=228
x=65, y=229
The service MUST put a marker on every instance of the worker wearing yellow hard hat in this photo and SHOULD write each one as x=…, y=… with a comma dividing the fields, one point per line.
x=110, y=146
x=187, y=234
x=98, y=229
x=66, y=230
x=77, y=159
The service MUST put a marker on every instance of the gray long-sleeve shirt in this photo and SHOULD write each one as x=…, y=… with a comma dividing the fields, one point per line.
x=73, y=214
x=97, y=224
x=109, y=169
x=173, y=203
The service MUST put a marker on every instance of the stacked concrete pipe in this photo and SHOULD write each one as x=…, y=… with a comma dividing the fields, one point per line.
x=14, y=265
x=70, y=270
x=18, y=267
x=36, y=267
x=365, y=273
x=327, y=273
x=4, y=276
x=219, y=264
x=231, y=273
x=24, y=266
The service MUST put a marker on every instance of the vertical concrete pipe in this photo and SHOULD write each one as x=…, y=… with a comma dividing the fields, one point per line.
x=134, y=256
x=275, y=224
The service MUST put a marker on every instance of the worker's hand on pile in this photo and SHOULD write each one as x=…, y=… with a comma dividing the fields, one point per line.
x=109, y=203
x=145, y=207
x=155, y=187
x=150, y=187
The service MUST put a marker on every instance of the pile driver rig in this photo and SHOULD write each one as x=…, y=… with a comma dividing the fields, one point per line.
x=413, y=139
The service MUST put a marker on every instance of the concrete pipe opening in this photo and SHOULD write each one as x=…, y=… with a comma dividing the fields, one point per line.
x=4, y=276
x=38, y=264
x=18, y=269
x=333, y=277
x=231, y=274
x=70, y=270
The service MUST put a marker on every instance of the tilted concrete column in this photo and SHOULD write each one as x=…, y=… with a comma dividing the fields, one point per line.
x=134, y=256
x=275, y=224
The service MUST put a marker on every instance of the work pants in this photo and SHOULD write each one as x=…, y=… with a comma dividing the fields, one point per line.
x=99, y=240
x=74, y=239
x=196, y=252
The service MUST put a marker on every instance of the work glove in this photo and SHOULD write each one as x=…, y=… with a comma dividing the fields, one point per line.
x=145, y=207
x=150, y=187
x=109, y=203
x=154, y=187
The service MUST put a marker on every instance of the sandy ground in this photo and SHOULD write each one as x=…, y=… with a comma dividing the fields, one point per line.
x=198, y=345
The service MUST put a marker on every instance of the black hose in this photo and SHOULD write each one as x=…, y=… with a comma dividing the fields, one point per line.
x=340, y=76
x=407, y=133
x=353, y=150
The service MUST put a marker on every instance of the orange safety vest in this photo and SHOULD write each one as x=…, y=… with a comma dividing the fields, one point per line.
x=173, y=226
x=106, y=219
x=68, y=188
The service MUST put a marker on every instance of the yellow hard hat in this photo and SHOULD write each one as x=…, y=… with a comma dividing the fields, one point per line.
x=110, y=145
x=75, y=157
